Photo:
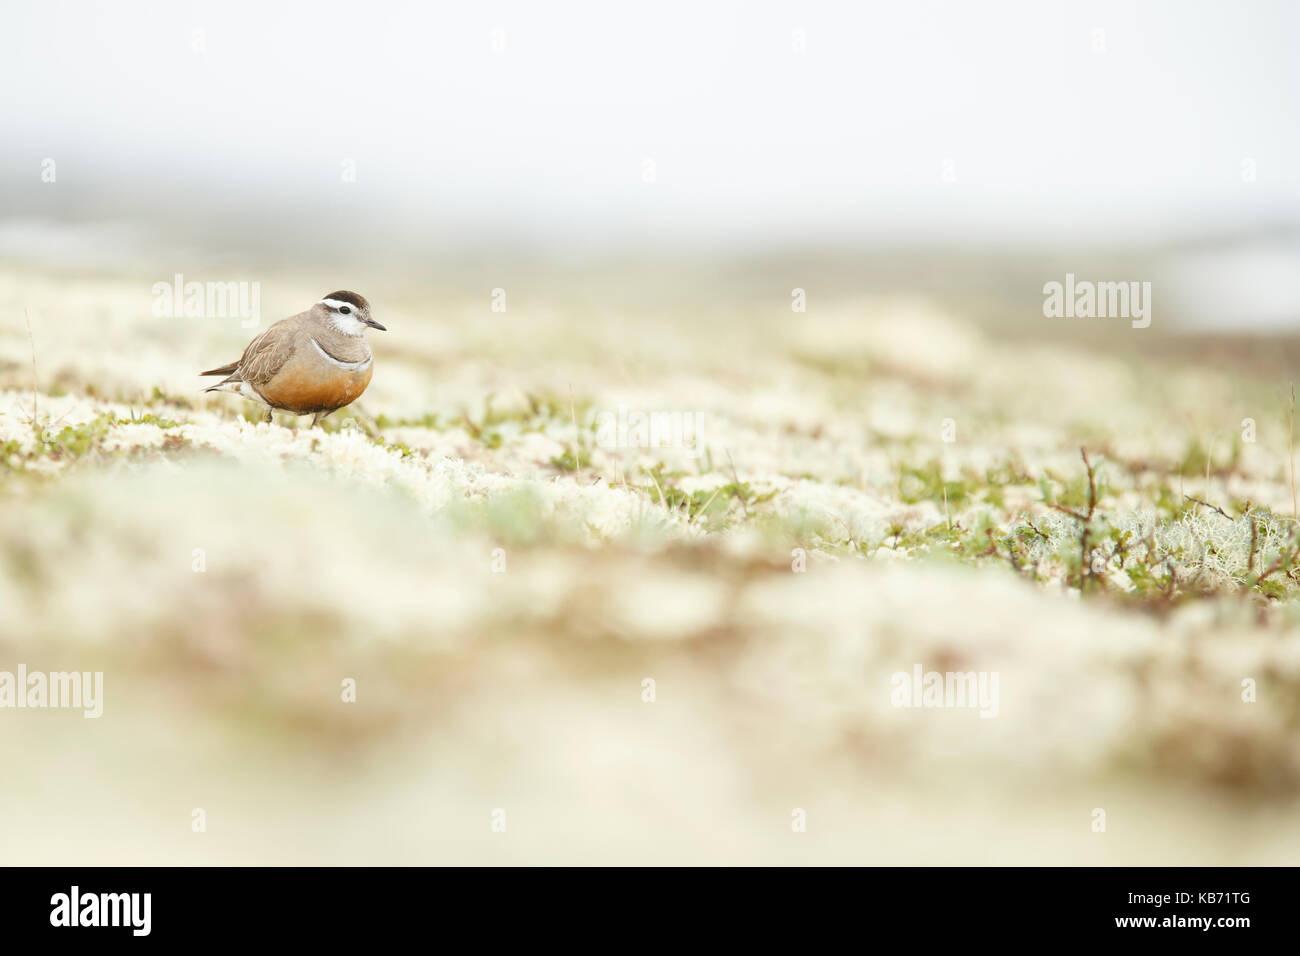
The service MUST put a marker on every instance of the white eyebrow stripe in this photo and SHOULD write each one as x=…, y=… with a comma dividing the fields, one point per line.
x=348, y=366
x=336, y=304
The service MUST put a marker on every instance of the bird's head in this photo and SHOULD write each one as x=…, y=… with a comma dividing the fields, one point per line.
x=347, y=312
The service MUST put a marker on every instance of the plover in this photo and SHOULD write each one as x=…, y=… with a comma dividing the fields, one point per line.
x=312, y=363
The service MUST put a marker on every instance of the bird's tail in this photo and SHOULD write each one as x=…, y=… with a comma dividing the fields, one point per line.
x=223, y=370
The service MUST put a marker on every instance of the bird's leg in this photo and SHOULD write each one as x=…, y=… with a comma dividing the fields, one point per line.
x=321, y=416
x=268, y=416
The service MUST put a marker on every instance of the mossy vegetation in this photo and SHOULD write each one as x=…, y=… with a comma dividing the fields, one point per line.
x=1053, y=526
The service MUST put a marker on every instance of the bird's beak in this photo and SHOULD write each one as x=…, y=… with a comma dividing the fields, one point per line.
x=375, y=325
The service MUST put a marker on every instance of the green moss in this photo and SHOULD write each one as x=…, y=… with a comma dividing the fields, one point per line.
x=77, y=440
x=926, y=483
x=147, y=419
x=429, y=420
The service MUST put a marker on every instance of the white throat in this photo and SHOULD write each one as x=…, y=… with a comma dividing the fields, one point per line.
x=347, y=324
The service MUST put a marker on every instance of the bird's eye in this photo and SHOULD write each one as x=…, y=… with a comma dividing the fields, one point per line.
x=345, y=309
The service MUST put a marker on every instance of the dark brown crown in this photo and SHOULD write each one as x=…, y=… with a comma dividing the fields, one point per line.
x=352, y=297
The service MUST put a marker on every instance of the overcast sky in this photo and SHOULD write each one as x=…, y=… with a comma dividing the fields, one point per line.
x=939, y=120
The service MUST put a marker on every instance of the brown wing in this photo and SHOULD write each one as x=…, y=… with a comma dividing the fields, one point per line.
x=224, y=370
x=267, y=353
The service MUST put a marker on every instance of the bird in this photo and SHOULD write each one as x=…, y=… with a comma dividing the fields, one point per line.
x=312, y=363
